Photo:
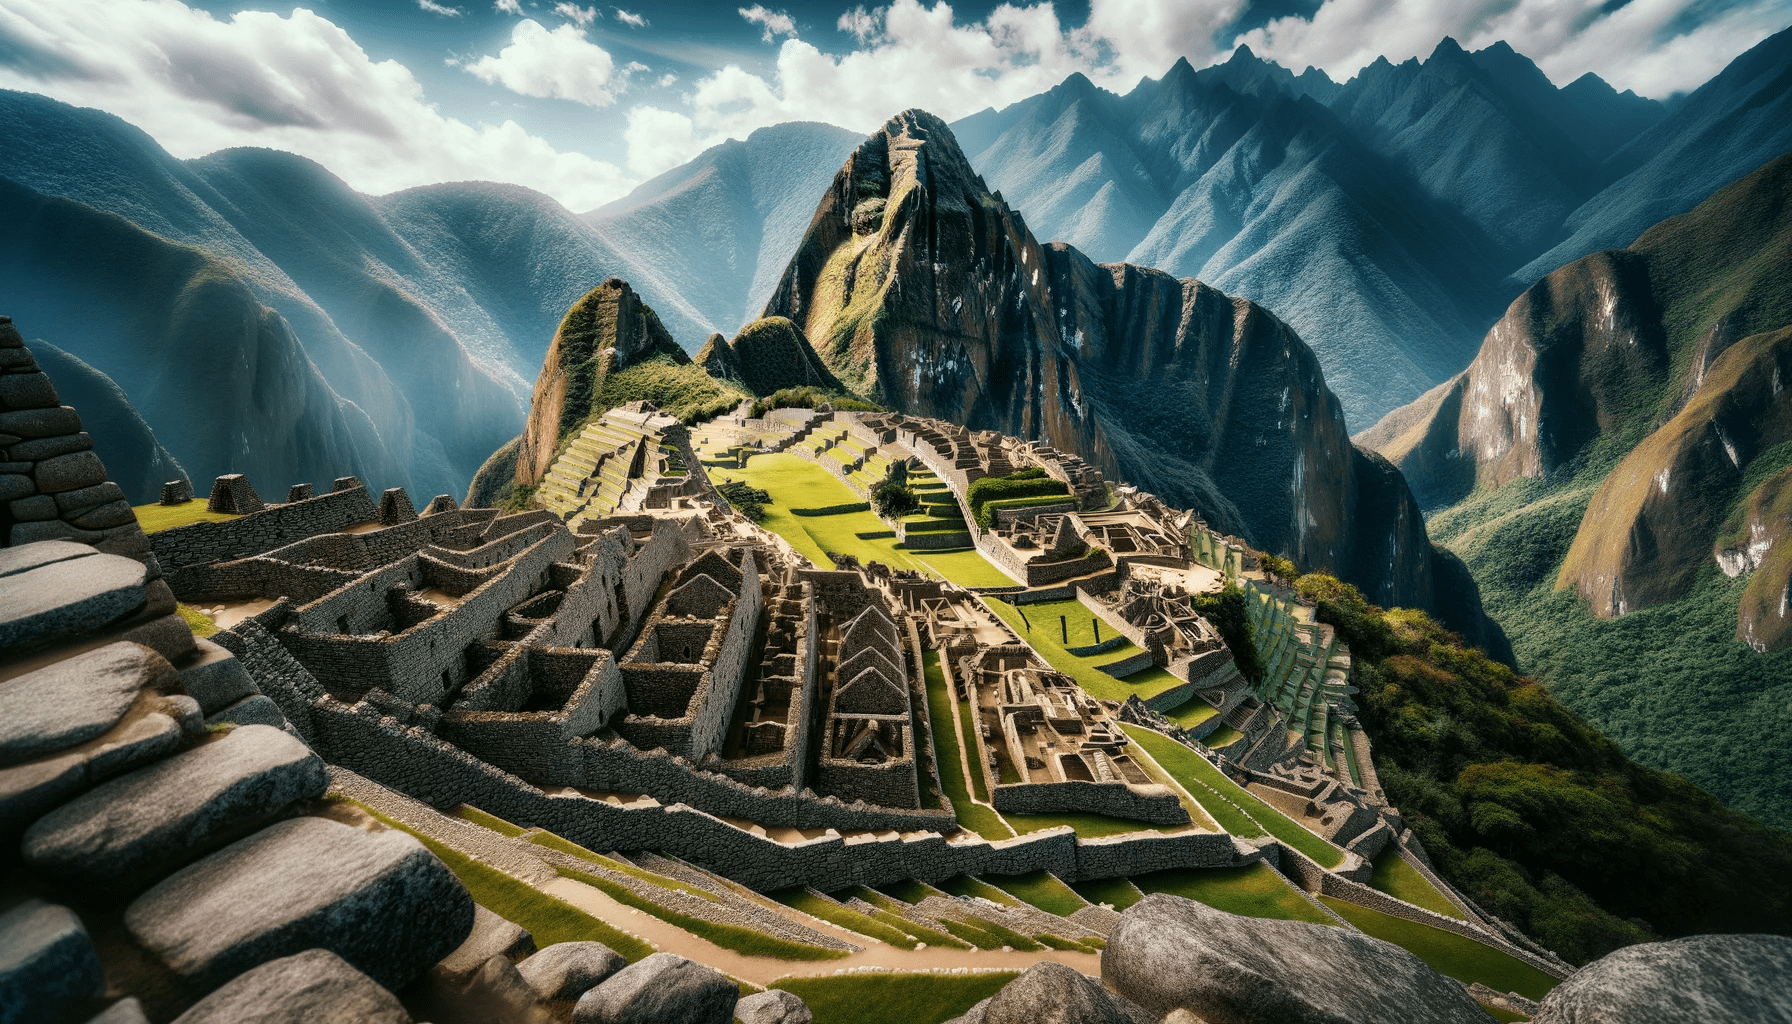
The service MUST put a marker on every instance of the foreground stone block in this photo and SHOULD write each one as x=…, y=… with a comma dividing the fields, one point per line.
x=253, y=710
x=313, y=987
x=1704, y=979
x=1169, y=953
x=568, y=970
x=66, y=598
x=491, y=936
x=125, y=1011
x=1051, y=993
x=47, y=964
x=75, y=700
x=30, y=790
x=380, y=901
x=216, y=679
x=662, y=989
x=773, y=1006
x=138, y=827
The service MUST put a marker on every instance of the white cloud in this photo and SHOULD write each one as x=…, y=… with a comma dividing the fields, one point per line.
x=630, y=19
x=1656, y=47
x=434, y=8
x=297, y=83
x=507, y=6
x=557, y=64
x=668, y=79
x=859, y=23
x=580, y=16
x=775, y=23
x=658, y=140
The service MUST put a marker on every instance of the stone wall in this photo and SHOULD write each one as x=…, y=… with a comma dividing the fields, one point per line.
x=274, y=527
x=52, y=485
x=1113, y=799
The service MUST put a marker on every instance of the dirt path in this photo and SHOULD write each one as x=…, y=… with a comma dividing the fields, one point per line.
x=761, y=969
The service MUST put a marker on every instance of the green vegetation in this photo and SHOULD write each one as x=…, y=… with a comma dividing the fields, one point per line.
x=1254, y=890
x=1042, y=889
x=554, y=842
x=1277, y=568
x=548, y=918
x=1023, y=484
x=965, y=885
x=155, y=517
x=745, y=941
x=979, y=819
x=1458, y=956
x=881, y=997
x=478, y=817
x=802, y=899
x=883, y=912
x=964, y=566
x=1191, y=713
x=1118, y=893
x=893, y=500
x=810, y=398
x=749, y=501
x=1045, y=637
x=1225, y=735
x=973, y=760
x=681, y=389
x=200, y=623
x=1532, y=813
x=1402, y=881
x=1227, y=611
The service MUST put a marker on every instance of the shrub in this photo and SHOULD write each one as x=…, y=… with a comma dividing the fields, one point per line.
x=892, y=500
x=810, y=397
x=751, y=501
x=996, y=488
x=1227, y=611
x=1278, y=568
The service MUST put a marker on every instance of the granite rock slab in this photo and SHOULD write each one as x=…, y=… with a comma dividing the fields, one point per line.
x=381, y=901
x=568, y=970
x=142, y=825
x=491, y=936
x=70, y=597
x=216, y=679
x=773, y=1006
x=1702, y=979
x=48, y=966
x=662, y=989
x=313, y=987
x=76, y=699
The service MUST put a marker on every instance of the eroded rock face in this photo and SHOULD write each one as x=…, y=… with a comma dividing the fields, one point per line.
x=1703, y=979
x=922, y=289
x=1169, y=953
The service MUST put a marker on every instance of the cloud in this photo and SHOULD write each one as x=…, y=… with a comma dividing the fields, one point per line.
x=434, y=8
x=859, y=23
x=507, y=6
x=630, y=19
x=1655, y=47
x=668, y=79
x=775, y=23
x=557, y=64
x=580, y=16
x=658, y=140
x=297, y=83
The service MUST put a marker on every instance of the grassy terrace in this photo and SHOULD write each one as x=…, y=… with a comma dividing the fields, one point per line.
x=155, y=517
x=742, y=940
x=1229, y=804
x=1402, y=881
x=1115, y=892
x=802, y=899
x=978, y=818
x=547, y=918
x=1458, y=956
x=1254, y=890
x=795, y=482
x=1042, y=889
x=877, y=998
x=1046, y=638
x=1191, y=713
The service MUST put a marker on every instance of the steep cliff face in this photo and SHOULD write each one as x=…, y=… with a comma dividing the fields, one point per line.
x=1759, y=541
x=923, y=290
x=607, y=331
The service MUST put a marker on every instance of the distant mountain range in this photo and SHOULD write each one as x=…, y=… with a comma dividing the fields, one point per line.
x=1387, y=219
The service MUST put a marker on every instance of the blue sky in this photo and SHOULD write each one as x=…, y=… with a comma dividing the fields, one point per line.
x=584, y=101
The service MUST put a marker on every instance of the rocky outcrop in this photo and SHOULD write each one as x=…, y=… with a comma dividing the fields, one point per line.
x=1170, y=953
x=766, y=356
x=923, y=290
x=1651, y=523
x=661, y=989
x=305, y=988
x=1704, y=979
x=1761, y=543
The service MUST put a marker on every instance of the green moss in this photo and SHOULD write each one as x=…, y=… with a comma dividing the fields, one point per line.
x=1254, y=890
x=1458, y=956
x=200, y=623
x=888, y=997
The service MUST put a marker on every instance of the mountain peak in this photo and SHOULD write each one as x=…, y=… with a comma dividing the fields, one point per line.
x=1242, y=54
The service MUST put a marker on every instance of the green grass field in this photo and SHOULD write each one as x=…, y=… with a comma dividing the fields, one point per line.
x=1224, y=736
x=1458, y=956
x=802, y=899
x=888, y=997
x=965, y=567
x=1195, y=773
x=1042, y=889
x=1251, y=891
x=554, y=842
x=1191, y=713
x=155, y=517
x=1118, y=893
x=1045, y=636
x=200, y=623
x=1402, y=881
x=547, y=918
x=979, y=819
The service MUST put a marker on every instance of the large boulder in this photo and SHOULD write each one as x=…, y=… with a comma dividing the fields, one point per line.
x=313, y=987
x=491, y=936
x=1703, y=979
x=567, y=970
x=381, y=901
x=662, y=989
x=1169, y=952
x=76, y=699
x=47, y=964
x=773, y=1006
x=71, y=596
x=138, y=827
x=1051, y=993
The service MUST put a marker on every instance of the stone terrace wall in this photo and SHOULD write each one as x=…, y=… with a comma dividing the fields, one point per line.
x=1113, y=799
x=277, y=526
